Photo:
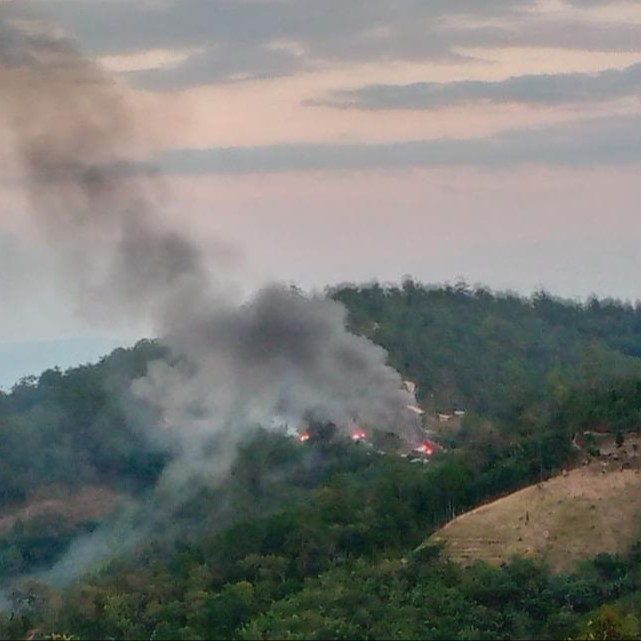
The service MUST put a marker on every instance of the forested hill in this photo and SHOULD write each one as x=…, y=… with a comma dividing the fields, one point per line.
x=321, y=539
x=491, y=352
x=501, y=357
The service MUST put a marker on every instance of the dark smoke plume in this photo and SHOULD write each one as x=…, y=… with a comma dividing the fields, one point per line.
x=282, y=358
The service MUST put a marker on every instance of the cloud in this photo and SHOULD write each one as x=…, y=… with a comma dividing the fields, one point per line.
x=538, y=90
x=213, y=66
x=127, y=25
x=553, y=32
x=589, y=143
x=593, y=3
x=226, y=40
x=265, y=38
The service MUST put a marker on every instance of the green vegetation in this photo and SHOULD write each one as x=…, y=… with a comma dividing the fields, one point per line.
x=70, y=428
x=496, y=354
x=323, y=540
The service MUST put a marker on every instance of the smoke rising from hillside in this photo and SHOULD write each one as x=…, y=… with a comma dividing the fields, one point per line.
x=280, y=358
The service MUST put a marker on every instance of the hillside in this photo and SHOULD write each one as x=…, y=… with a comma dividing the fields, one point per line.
x=322, y=539
x=495, y=353
x=569, y=518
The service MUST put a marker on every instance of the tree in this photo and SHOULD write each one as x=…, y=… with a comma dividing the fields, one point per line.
x=610, y=622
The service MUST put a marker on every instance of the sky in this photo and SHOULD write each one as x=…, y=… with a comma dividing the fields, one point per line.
x=320, y=142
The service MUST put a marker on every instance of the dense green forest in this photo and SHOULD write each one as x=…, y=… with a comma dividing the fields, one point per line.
x=495, y=353
x=324, y=540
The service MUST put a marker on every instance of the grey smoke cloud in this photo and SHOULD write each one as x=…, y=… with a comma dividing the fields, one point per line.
x=71, y=133
x=535, y=90
x=281, y=358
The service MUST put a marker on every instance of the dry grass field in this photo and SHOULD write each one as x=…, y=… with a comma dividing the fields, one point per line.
x=576, y=515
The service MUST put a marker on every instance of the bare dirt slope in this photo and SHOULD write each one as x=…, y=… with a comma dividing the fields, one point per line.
x=592, y=509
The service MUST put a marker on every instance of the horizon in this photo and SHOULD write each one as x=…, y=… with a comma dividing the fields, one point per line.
x=30, y=358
